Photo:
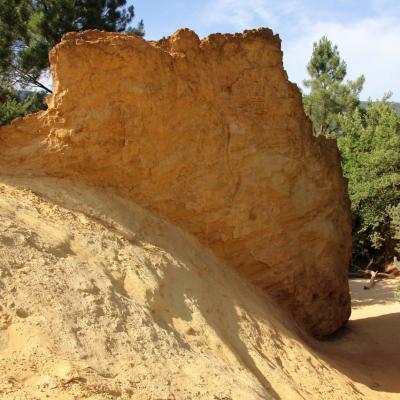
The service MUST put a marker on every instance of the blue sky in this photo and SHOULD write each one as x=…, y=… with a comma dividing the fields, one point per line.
x=367, y=32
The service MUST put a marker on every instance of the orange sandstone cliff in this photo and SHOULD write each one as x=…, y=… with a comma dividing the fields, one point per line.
x=211, y=135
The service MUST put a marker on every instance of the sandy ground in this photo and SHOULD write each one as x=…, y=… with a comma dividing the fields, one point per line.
x=368, y=349
x=100, y=300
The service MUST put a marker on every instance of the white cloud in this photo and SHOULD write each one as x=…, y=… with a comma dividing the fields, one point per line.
x=369, y=46
x=245, y=14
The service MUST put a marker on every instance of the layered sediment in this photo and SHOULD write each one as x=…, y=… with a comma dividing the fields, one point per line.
x=210, y=135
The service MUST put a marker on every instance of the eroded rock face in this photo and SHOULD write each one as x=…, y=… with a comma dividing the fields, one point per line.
x=211, y=135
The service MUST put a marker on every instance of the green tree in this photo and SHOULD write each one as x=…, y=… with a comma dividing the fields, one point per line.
x=394, y=213
x=13, y=15
x=14, y=104
x=30, y=28
x=329, y=94
x=370, y=149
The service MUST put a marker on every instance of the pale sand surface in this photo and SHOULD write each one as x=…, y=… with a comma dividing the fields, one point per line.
x=368, y=350
x=101, y=300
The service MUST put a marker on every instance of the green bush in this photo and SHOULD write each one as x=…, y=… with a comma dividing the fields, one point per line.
x=369, y=144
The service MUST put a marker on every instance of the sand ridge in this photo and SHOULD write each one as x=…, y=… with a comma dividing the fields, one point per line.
x=102, y=300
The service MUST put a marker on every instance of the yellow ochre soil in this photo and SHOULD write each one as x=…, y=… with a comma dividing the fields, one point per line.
x=210, y=135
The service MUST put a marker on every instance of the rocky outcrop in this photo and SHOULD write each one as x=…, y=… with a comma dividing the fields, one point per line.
x=212, y=136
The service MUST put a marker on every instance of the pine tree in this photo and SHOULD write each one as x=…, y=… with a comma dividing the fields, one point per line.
x=30, y=28
x=329, y=94
x=16, y=104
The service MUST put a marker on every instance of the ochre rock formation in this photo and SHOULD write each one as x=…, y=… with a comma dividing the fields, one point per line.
x=208, y=134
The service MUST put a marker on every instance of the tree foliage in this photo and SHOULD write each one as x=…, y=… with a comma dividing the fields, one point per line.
x=14, y=104
x=30, y=28
x=370, y=151
x=369, y=141
x=329, y=94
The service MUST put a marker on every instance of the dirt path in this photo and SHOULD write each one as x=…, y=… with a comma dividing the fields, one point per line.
x=368, y=351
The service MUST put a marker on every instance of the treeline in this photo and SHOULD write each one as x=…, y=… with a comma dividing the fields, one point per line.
x=30, y=28
x=368, y=137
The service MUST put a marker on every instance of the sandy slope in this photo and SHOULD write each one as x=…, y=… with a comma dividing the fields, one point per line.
x=101, y=300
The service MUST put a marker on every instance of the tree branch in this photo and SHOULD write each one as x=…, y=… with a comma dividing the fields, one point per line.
x=33, y=80
x=28, y=78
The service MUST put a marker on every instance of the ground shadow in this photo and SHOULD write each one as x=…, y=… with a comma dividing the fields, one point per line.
x=214, y=314
x=173, y=283
x=367, y=351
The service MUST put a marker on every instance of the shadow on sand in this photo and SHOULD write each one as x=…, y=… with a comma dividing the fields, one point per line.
x=367, y=351
x=174, y=281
